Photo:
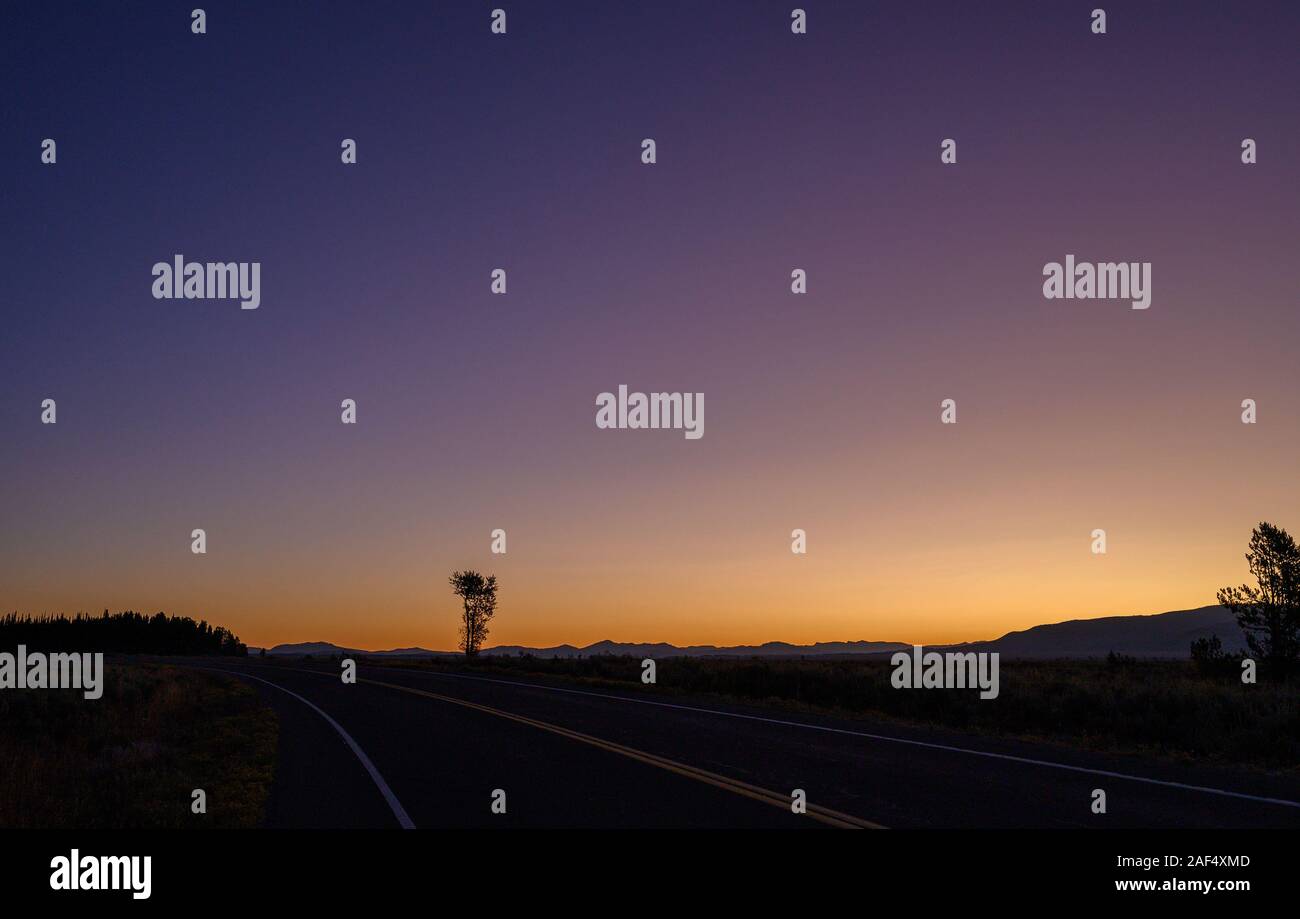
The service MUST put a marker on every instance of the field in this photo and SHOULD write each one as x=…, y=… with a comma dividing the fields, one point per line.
x=133, y=758
x=1167, y=708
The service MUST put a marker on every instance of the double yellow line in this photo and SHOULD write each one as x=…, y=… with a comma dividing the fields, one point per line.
x=817, y=812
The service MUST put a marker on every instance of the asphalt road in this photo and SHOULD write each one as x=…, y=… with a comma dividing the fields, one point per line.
x=428, y=749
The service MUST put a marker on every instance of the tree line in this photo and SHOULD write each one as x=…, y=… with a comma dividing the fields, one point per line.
x=123, y=633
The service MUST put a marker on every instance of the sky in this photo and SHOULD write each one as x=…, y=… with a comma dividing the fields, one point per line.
x=476, y=411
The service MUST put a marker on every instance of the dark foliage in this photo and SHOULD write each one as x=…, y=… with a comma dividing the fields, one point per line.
x=121, y=633
x=479, y=594
x=1269, y=610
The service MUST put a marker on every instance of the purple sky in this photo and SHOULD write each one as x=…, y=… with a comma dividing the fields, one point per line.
x=476, y=411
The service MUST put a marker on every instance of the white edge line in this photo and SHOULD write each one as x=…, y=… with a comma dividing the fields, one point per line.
x=819, y=727
x=398, y=811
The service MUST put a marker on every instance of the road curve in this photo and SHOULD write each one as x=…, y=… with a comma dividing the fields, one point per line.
x=568, y=756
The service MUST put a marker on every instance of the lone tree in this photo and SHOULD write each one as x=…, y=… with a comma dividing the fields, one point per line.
x=479, y=594
x=1269, y=614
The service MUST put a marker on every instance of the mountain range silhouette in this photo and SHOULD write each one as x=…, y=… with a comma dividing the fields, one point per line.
x=1164, y=635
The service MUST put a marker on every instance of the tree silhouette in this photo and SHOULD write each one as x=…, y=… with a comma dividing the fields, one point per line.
x=1269, y=614
x=479, y=595
x=124, y=633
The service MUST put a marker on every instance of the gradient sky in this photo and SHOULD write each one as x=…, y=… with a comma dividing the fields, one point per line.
x=477, y=411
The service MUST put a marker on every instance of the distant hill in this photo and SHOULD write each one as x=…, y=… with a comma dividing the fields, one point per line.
x=663, y=649
x=1167, y=635
x=325, y=647
x=658, y=650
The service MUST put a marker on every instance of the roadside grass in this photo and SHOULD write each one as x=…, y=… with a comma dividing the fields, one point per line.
x=1163, y=708
x=133, y=758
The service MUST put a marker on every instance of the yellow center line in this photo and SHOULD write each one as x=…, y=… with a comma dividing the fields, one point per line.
x=817, y=812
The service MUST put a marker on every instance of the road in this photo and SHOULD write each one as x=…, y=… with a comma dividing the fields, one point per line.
x=405, y=747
